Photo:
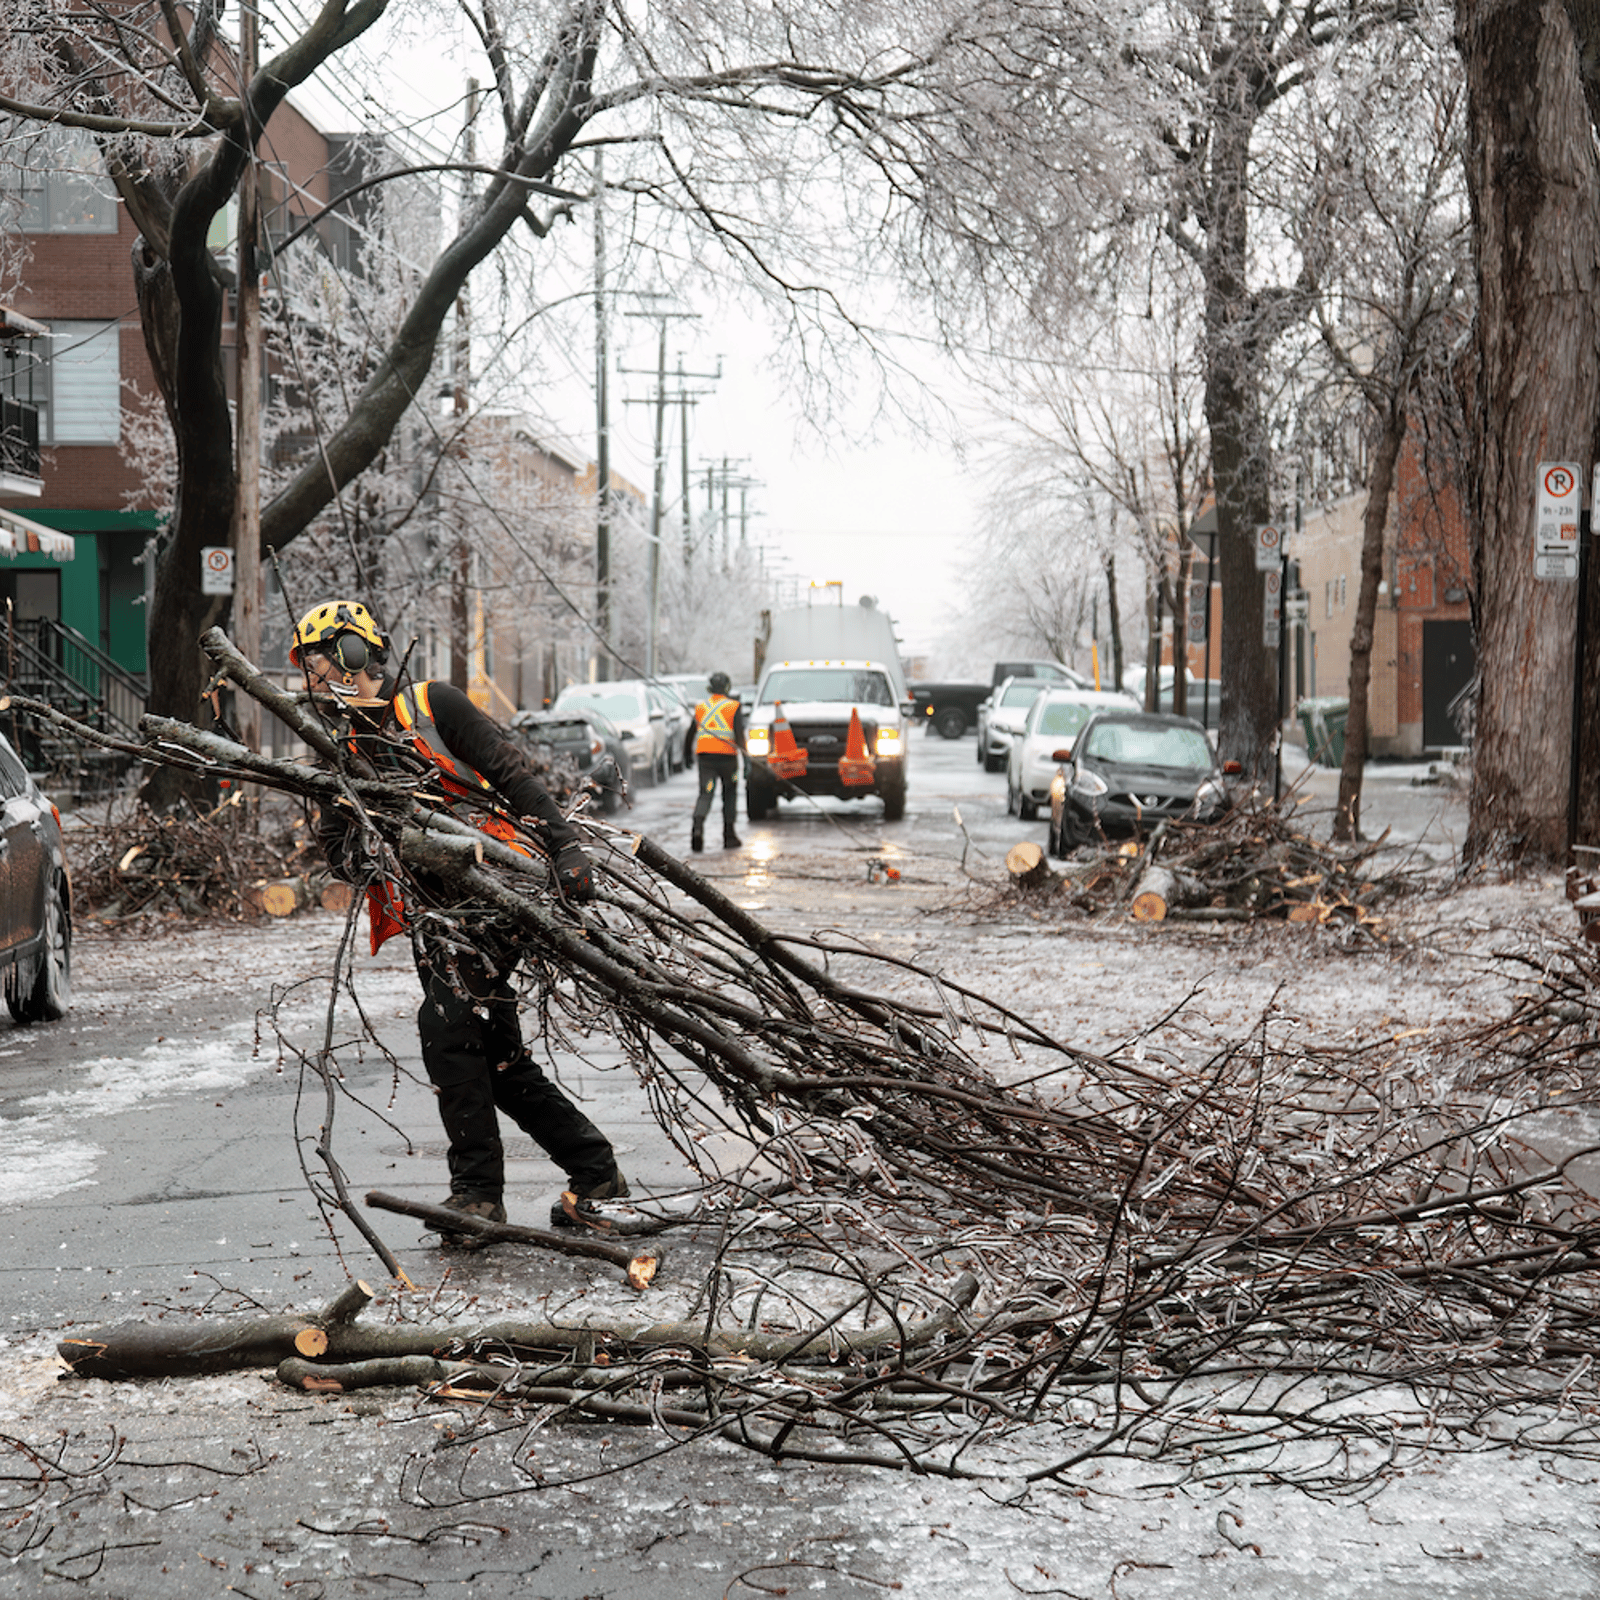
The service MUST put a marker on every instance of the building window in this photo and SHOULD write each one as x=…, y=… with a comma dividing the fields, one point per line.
x=63, y=185
x=83, y=384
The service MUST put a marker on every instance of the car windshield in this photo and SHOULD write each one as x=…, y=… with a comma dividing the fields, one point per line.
x=828, y=683
x=1024, y=693
x=1135, y=745
x=619, y=706
x=1062, y=718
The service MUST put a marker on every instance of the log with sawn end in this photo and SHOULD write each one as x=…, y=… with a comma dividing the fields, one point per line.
x=639, y=1265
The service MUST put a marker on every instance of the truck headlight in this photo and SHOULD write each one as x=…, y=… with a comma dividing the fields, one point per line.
x=758, y=742
x=887, y=742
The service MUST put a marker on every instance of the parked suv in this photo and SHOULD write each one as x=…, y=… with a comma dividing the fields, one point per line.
x=35, y=898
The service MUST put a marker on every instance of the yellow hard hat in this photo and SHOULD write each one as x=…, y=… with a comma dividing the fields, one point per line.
x=335, y=627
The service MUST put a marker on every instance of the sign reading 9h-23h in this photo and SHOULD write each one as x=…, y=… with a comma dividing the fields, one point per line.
x=1555, y=522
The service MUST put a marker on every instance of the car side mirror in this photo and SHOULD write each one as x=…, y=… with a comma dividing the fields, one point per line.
x=1061, y=755
x=908, y=708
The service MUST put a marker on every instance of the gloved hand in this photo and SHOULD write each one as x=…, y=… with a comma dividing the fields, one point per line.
x=574, y=873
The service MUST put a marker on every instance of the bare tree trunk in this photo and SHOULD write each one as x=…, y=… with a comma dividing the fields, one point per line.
x=1536, y=208
x=1114, y=621
x=1248, y=720
x=1380, y=486
x=1180, y=629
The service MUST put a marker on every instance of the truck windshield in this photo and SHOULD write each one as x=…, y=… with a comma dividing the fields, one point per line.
x=828, y=683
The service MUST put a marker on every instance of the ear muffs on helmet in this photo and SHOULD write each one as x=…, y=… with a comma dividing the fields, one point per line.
x=350, y=652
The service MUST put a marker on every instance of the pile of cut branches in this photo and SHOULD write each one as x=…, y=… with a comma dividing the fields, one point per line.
x=196, y=865
x=1258, y=862
x=1251, y=1258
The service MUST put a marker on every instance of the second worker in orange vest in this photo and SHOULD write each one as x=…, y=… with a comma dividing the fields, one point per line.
x=719, y=730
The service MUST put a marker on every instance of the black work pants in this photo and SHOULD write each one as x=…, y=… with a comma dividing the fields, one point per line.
x=710, y=769
x=473, y=1051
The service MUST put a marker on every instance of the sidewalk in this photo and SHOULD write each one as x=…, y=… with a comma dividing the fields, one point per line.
x=1417, y=802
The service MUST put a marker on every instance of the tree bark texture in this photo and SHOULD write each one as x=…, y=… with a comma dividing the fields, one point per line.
x=1533, y=177
x=1240, y=465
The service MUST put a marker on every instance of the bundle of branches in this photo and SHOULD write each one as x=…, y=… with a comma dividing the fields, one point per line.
x=1257, y=862
x=1253, y=1258
x=1548, y=1043
x=188, y=864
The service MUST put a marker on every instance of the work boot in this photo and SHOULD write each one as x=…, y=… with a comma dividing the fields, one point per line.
x=470, y=1205
x=588, y=1203
x=697, y=839
x=730, y=840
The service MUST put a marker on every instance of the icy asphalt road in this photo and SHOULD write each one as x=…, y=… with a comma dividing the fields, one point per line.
x=152, y=1148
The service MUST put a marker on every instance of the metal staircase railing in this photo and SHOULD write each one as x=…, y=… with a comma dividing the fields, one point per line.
x=49, y=661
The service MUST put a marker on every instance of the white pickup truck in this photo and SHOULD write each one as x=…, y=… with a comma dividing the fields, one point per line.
x=825, y=663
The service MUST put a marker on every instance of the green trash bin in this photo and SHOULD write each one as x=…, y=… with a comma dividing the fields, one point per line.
x=1324, y=719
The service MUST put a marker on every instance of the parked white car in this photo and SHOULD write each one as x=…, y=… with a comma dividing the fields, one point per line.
x=639, y=715
x=1049, y=732
x=1000, y=718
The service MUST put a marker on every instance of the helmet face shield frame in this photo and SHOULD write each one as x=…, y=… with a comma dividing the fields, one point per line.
x=342, y=630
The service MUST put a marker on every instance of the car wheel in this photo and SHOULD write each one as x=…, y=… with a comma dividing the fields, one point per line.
x=663, y=766
x=951, y=723
x=1052, y=840
x=1011, y=798
x=50, y=993
x=1026, y=809
x=983, y=760
x=993, y=763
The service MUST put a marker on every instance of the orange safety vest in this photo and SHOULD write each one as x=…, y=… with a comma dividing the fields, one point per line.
x=714, y=718
x=385, y=908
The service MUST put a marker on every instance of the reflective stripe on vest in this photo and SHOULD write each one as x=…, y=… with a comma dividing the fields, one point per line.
x=715, y=719
x=414, y=713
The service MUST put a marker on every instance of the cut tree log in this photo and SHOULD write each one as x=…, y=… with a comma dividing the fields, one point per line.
x=336, y=895
x=1030, y=867
x=1162, y=890
x=185, y=1347
x=639, y=1265
x=188, y=1346
x=281, y=897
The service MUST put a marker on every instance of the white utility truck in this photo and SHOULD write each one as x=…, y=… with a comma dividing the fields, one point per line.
x=827, y=665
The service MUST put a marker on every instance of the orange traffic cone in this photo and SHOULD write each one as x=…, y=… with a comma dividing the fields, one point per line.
x=787, y=759
x=855, y=766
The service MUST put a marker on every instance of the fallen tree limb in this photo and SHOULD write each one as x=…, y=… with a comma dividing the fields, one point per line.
x=639, y=1266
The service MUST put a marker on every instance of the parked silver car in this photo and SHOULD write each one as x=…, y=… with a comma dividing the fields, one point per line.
x=35, y=898
x=1000, y=718
x=640, y=717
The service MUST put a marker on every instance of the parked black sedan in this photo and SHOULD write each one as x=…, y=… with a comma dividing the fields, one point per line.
x=1128, y=771
x=35, y=898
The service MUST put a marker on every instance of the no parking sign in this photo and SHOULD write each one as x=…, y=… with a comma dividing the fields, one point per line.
x=1555, y=521
x=216, y=569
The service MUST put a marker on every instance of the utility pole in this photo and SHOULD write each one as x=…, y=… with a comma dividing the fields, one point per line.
x=685, y=400
x=246, y=620
x=460, y=588
x=602, y=485
x=658, y=479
